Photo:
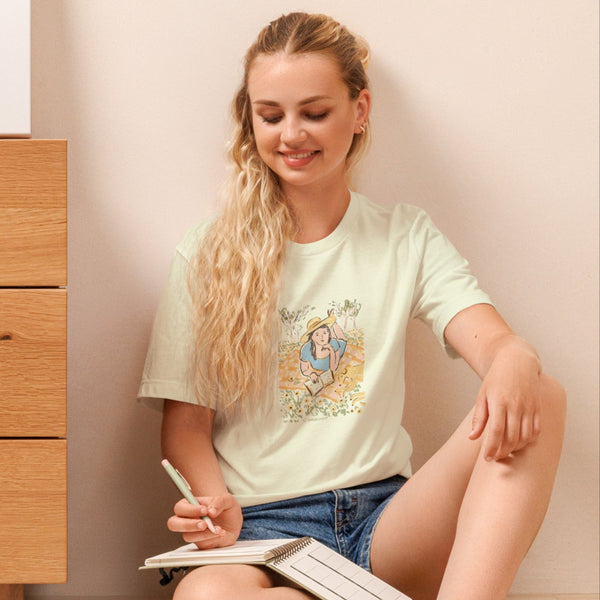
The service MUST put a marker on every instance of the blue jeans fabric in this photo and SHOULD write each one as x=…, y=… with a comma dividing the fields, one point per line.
x=344, y=520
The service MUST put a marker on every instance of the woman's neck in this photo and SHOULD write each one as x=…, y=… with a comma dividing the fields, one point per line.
x=317, y=211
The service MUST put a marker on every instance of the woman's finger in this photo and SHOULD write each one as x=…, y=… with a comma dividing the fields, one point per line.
x=182, y=524
x=496, y=427
x=512, y=435
x=480, y=415
x=183, y=508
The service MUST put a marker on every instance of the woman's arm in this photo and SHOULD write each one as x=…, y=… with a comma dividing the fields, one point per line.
x=338, y=332
x=509, y=400
x=334, y=357
x=187, y=444
x=186, y=440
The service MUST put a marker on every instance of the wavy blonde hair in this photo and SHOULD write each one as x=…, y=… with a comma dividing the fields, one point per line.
x=236, y=273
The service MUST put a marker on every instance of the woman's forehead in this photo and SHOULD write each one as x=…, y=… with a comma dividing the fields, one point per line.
x=312, y=74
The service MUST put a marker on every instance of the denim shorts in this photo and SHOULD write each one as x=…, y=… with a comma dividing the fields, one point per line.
x=343, y=520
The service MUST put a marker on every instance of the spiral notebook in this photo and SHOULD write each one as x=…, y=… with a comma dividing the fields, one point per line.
x=305, y=561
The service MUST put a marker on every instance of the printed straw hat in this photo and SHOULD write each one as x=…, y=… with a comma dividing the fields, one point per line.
x=314, y=324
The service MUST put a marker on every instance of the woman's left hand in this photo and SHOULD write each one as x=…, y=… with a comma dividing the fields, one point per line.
x=508, y=406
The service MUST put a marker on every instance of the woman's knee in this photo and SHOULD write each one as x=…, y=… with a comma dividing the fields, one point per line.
x=554, y=413
x=221, y=582
x=554, y=400
x=195, y=586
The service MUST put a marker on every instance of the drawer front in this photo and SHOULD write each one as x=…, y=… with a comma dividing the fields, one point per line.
x=33, y=212
x=33, y=362
x=33, y=511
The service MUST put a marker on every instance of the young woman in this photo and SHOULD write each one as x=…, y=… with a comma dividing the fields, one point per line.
x=266, y=457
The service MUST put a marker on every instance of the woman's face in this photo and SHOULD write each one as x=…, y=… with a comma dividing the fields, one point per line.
x=303, y=118
x=321, y=336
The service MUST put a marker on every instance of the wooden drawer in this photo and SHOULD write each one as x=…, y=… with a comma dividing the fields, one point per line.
x=33, y=511
x=33, y=362
x=33, y=212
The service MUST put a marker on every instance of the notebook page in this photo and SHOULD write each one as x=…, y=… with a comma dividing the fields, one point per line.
x=243, y=551
x=330, y=576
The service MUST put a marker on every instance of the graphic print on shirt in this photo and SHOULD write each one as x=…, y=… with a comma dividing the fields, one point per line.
x=321, y=362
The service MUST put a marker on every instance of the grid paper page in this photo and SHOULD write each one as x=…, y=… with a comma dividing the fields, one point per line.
x=334, y=577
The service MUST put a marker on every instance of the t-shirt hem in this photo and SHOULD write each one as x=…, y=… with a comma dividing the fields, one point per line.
x=246, y=500
x=153, y=393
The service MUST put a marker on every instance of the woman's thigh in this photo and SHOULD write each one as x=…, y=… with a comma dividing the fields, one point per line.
x=414, y=536
x=418, y=529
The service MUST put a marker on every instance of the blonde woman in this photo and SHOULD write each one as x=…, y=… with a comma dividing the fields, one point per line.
x=293, y=236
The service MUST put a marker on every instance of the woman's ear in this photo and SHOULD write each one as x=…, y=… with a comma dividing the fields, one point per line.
x=363, y=107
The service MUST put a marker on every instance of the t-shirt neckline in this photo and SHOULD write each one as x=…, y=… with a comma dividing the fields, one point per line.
x=334, y=238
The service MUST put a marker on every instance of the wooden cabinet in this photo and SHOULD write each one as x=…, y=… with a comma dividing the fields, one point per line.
x=33, y=364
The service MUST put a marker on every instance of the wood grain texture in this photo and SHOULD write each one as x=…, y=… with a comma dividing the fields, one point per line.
x=11, y=592
x=33, y=511
x=33, y=212
x=33, y=362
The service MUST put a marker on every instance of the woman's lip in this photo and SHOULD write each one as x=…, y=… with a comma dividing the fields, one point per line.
x=297, y=153
x=298, y=158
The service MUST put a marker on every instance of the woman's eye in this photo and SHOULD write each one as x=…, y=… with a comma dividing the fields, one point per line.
x=317, y=117
x=271, y=120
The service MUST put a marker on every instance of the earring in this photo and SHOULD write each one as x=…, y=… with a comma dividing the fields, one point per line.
x=363, y=128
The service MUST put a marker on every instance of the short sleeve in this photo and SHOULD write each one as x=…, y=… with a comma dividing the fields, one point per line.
x=168, y=370
x=445, y=285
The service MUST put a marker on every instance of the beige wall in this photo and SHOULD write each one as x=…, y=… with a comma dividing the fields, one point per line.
x=485, y=114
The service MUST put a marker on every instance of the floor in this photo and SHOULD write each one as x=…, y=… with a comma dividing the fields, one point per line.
x=518, y=597
x=556, y=597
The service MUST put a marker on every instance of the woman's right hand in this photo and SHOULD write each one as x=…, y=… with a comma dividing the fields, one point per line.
x=225, y=513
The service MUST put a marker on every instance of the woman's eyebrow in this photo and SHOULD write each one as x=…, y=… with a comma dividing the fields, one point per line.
x=309, y=100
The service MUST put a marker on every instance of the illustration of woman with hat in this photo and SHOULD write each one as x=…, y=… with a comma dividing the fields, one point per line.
x=323, y=346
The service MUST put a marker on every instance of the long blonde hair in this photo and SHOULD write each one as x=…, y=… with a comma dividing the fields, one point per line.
x=235, y=276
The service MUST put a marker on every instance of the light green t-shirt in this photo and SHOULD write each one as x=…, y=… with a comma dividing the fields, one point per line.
x=334, y=417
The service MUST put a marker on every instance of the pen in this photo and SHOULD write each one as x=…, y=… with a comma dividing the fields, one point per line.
x=184, y=487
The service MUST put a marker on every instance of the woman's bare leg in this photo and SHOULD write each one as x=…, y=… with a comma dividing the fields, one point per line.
x=235, y=582
x=460, y=528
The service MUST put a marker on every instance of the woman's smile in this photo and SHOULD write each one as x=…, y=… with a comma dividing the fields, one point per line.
x=303, y=118
x=298, y=158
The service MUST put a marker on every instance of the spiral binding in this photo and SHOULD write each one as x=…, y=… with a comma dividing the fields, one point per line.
x=168, y=577
x=284, y=551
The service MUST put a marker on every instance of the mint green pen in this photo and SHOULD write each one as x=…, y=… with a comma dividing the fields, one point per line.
x=184, y=487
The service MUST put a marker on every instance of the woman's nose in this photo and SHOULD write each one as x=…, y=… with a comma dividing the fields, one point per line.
x=293, y=132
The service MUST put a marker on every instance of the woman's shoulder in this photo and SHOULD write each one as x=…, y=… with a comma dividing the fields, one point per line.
x=398, y=215
x=338, y=343
x=305, y=352
x=192, y=238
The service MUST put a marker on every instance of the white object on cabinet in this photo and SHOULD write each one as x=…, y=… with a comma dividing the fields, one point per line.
x=15, y=68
